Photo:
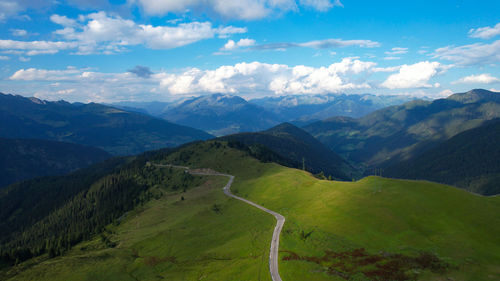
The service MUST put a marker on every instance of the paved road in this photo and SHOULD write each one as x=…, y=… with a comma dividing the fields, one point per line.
x=280, y=220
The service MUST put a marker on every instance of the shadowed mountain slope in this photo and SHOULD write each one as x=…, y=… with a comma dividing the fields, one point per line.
x=470, y=160
x=397, y=133
x=28, y=158
x=297, y=145
x=117, y=131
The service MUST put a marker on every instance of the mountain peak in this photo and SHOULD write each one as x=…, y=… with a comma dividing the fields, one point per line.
x=475, y=95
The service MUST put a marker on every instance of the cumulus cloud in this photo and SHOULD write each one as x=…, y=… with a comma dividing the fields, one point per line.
x=141, y=71
x=269, y=78
x=413, y=76
x=245, y=79
x=474, y=54
x=479, y=79
x=101, y=33
x=485, y=32
x=232, y=45
x=241, y=9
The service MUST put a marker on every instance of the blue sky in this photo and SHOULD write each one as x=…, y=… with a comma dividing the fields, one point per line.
x=145, y=50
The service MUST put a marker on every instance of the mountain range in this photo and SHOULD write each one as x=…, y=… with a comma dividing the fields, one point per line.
x=304, y=109
x=116, y=131
x=396, y=133
x=222, y=114
x=469, y=160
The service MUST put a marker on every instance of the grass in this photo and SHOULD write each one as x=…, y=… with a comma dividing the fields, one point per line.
x=174, y=239
x=382, y=216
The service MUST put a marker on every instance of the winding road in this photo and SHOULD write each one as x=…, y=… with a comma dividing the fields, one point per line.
x=280, y=220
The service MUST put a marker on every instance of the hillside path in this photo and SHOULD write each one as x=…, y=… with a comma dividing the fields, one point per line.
x=280, y=220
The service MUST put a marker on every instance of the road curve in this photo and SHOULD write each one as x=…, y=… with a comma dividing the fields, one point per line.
x=280, y=220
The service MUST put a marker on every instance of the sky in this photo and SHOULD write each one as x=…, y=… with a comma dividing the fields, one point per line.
x=164, y=50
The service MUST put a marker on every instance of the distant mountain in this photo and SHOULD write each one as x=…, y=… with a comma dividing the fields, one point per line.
x=154, y=108
x=29, y=158
x=221, y=114
x=303, y=109
x=117, y=131
x=396, y=133
x=295, y=144
x=470, y=160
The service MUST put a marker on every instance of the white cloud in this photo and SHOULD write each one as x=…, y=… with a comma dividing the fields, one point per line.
x=4, y=58
x=241, y=9
x=444, y=93
x=321, y=5
x=474, y=54
x=36, y=47
x=479, y=79
x=413, y=76
x=101, y=33
x=15, y=8
x=33, y=74
x=246, y=79
x=63, y=20
x=485, y=32
x=397, y=51
x=392, y=58
x=9, y=9
x=19, y=32
x=232, y=45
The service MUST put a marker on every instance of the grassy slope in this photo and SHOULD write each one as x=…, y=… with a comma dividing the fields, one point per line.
x=229, y=245
x=381, y=215
x=375, y=213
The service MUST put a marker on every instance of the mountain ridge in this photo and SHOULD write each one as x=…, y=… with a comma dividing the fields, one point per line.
x=395, y=133
x=117, y=131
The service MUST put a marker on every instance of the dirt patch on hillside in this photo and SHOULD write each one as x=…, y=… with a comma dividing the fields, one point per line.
x=383, y=266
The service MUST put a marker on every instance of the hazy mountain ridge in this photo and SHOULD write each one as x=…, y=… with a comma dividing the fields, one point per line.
x=114, y=130
x=307, y=108
x=28, y=158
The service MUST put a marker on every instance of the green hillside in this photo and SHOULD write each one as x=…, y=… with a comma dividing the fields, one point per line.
x=469, y=160
x=301, y=148
x=114, y=130
x=397, y=133
x=373, y=228
x=28, y=158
